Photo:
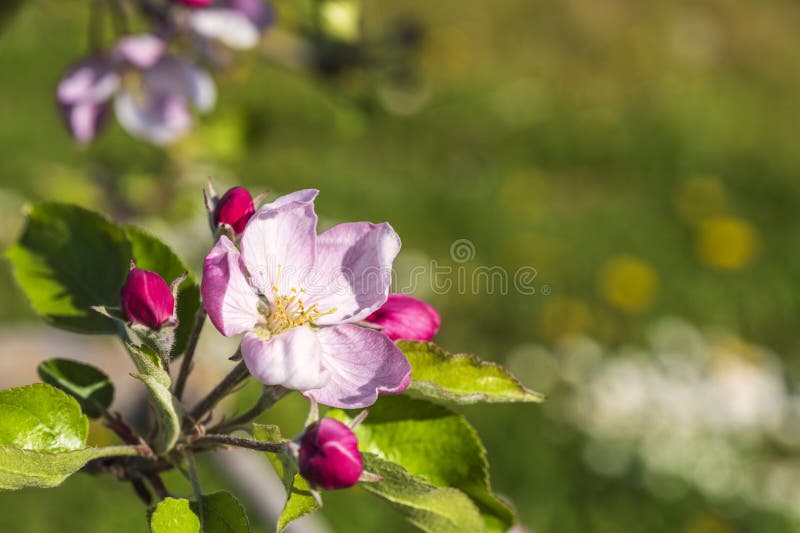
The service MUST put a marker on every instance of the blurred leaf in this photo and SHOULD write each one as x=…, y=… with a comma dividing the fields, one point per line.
x=173, y=515
x=42, y=418
x=152, y=254
x=222, y=513
x=430, y=508
x=8, y=9
x=87, y=384
x=157, y=381
x=461, y=378
x=300, y=501
x=435, y=443
x=42, y=437
x=67, y=260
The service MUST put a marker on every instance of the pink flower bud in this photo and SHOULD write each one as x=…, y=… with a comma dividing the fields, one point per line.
x=196, y=3
x=329, y=456
x=406, y=317
x=234, y=209
x=146, y=299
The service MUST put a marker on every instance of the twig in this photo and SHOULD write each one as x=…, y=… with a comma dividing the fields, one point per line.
x=225, y=387
x=186, y=363
x=239, y=442
x=270, y=395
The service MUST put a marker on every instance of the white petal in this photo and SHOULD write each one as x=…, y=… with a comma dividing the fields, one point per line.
x=291, y=359
x=230, y=27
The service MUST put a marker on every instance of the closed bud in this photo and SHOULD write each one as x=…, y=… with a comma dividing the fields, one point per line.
x=406, y=317
x=196, y=3
x=146, y=299
x=329, y=456
x=234, y=209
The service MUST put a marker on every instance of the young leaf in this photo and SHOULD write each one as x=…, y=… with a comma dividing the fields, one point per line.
x=42, y=437
x=430, y=508
x=21, y=469
x=300, y=501
x=152, y=254
x=41, y=418
x=90, y=386
x=173, y=515
x=222, y=513
x=461, y=378
x=158, y=382
x=435, y=443
x=67, y=260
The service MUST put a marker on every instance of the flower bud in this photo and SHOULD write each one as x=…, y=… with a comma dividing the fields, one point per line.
x=234, y=209
x=196, y=3
x=406, y=317
x=329, y=456
x=146, y=299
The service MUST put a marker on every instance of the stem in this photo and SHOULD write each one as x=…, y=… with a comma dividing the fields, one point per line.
x=225, y=387
x=158, y=485
x=117, y=424
x=196, y=489
x=188, y=356
x=270, y=395
x=229, y=440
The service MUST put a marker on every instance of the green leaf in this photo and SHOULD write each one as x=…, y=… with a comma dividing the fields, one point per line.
x=43, y=437
x=41, y=418
x=430, y=508
x=435, y=443
x=21, y=469
x=152, y=254
x=222, y=513
x=461, y=378
x=90, y=386
x=174, y=515
x=158, y=382
x=300, y=501
x=67, y=260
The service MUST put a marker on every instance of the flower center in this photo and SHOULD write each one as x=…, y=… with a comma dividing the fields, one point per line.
x=288, y=311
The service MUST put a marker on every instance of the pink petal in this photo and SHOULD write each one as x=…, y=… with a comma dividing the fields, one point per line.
x=291, y=359
x=406, y=317
x=231, y=303
x=84, y=121
x=142, y=51
x=278, y=245
x=90, y=81
x=303, y=195
x=353, y=271
x=361, y=364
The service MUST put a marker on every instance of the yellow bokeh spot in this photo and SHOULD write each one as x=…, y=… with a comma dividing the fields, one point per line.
x=708, y=524
x=628, y=283
x=727, y=243
x=562, y=317
x=700, y=198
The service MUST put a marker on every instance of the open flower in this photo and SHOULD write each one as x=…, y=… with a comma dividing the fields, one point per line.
x=298, y=296
x=152, y=91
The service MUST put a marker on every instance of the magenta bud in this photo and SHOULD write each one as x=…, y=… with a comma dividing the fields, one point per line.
x=146, y=299
x=406, y=317
x=329, y=456
x=196, y=3
x=234, y=209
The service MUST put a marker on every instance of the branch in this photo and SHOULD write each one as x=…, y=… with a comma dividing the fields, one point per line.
x=188, y=356
x=239, y=442
x=270, y=395
x=225, y=387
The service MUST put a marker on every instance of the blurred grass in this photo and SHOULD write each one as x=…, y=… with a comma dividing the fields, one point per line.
x=560, y=135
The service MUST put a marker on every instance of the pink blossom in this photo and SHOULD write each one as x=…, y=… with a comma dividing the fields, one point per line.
x=299, y=296
x=146, y=299
x=234, y=209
